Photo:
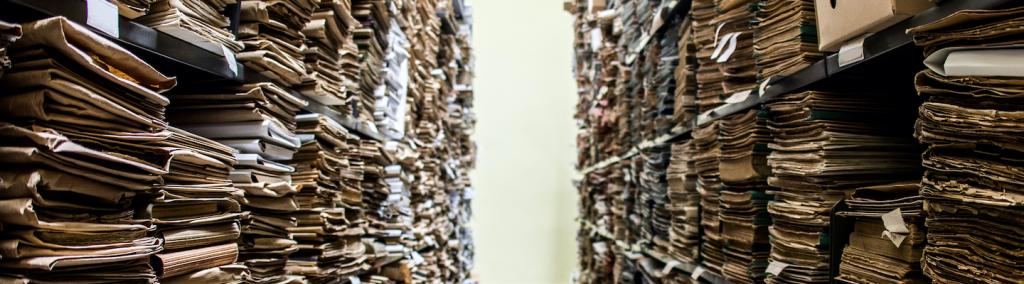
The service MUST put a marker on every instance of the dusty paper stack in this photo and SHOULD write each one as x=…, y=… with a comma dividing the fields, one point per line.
x=200, y=22
x=384, y=205
x=272, y=34
x=133, y=8
x=328, y=39
x=709, y=79
x=663, y=109
x=786, y=38
x=971, y=122
x=329, y=220
x=709, y=185
x=744, y=172
x=825, y=145
x=888, y=235
x=371, y=37
x=597, y=257
x=80, y=160
x=686, y=77
x=684, y=202
x=734, y=45
x=197, y=212
x=654, y=197
x=9, y=33
x=389, y=107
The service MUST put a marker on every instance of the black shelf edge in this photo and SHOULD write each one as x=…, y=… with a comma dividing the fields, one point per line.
x=176, y=57
x=675, y=135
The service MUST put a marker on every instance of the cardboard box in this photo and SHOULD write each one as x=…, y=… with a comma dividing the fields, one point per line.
x=843, y=20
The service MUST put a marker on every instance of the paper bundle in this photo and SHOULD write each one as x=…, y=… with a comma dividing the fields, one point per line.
x=888, y=235
x=826, y=144
x=9, y=33
x=709, y=185
x=662, y=109
x=684, y=202
x=786, y=38
x=272, y=34
x=372, y=38
x=328, y=41
x=971, y=123
x=733, y=55
x=654, y=197
x=744, y=215
x=199, y=22
x=709, y=79
x=80, y=158
x=686, y=77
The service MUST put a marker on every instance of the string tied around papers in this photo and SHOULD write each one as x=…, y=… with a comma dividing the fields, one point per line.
x=895, y=228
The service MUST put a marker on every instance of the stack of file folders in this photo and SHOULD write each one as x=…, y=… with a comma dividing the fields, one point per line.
x=199, y=22
x=371, y=37
x=81, y=155
x=8, y=34
x=665, y=82
x=684, y=203
x=971, y=123
x=786, y=38
x=686, y=77
x=330, y=224
x=709, y=79
x=743, y=205
x=709, y=185
x=888, y=235
x=274, y=44
x=733, y=53
x=824, y=145
x=329, y=45
x=654, y=197
x=390, y=97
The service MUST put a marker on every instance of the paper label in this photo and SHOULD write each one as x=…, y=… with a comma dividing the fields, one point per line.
x=721, y=45
x=776, y=267
x=852, y=51
x=764, y=87
x=697, y=273
x=417, y=258
x=895, y=228
x=730, y=49
x=668, y=266
x=354, y=280
x=738, y=97
x=229, y=57
x=717, y=30
x=103, y=16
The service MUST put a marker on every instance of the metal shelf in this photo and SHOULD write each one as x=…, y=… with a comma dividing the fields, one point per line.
x=676, y=134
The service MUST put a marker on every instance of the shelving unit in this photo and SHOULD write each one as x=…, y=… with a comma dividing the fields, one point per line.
x=676, y=134
x=634, y=250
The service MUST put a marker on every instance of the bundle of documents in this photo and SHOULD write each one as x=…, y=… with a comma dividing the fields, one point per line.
x=709, y=184
x=686, y=77
x=390, y=97
x=684, y=202
x=329, y=220
x=662, y=108
x=327, y=35
x=733, y=52
x=80, y=155
x=597, y=258
x=709, y=79
x=133, y=8
x=971, y=122
x=786, y=38
x=272, y=34
x=826, y=144
x=744, y=215
x=199, y=22
x=9, y=33
x=654, y=197
x=888, y=235
x=372, y=38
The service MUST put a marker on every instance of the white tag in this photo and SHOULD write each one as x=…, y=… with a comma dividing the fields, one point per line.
x=729, y=50
x=895, y=228
x=668, y=266
x=354, y=280
x=896, y=238
x=595, y=39
x=776, y=267
x=738, y=97
x=102, y=15
x=229, y=56
x=852, y=51
x=718, y=30
x=764, y=87
x=721, y=45
x=417, y=258
x=697, y=272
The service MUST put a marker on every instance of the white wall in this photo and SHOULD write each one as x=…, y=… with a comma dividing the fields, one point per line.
x=525, y=99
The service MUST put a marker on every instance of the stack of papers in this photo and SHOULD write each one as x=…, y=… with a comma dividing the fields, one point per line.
x=888, y=235
x=327, y=36
x=705, y=38
x=272, y=34
x=686, y=77
x=654, y=197
x=8, y=34
x=971, y=122
x=389, y=106
x=709, y=185
x=329, y=220
x=200, y=22
x=372, y=38
x=684, y=203
x=786, y=39
x=80, y=145
x=744, y=214
x=660, y=105
x=733, y=53
x=826, y=144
